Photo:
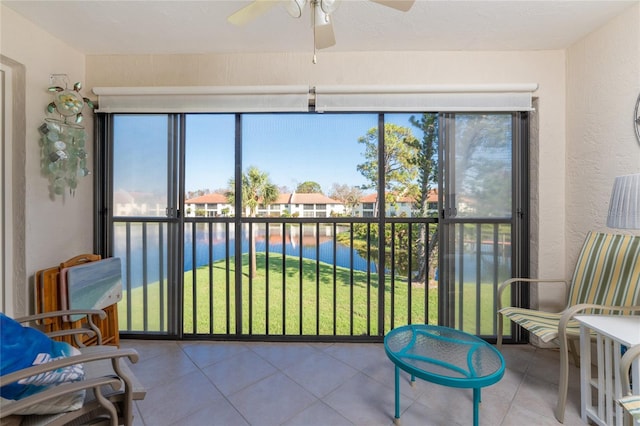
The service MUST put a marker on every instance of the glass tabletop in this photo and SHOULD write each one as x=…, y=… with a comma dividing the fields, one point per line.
x=444, y=355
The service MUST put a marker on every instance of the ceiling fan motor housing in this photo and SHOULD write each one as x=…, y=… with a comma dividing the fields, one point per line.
x=295, y=8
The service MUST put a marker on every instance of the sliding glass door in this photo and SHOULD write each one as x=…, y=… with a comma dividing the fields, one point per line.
x=139, y=203
x=483, y=227
x=311, y=226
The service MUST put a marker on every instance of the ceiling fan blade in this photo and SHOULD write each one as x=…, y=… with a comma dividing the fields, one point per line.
x=251, y=11
x=402, y=5
x=324, y=36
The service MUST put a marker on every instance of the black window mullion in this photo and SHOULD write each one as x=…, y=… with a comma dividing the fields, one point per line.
x=381, y=227
x=238, y=225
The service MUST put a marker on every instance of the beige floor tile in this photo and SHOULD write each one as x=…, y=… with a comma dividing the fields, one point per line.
x=320, y=373
x=363, y=401
x=216, y=413
x=177, y=399
x=308, y=384
x=283, y=355
x=235, y=373
x=318, y=414
x=163, y=367
x=204, y=354
x=419, y=414
x=272, y=400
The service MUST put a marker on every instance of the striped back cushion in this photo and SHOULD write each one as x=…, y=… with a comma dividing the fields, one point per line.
x=608, y=271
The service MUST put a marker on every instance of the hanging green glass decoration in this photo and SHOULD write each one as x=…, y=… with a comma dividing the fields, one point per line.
x=63, y=138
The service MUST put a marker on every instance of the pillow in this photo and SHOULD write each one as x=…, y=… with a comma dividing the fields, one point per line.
x=22, y=347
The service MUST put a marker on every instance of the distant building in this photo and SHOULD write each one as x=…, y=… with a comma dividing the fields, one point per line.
x=287, y=204
x=208, y=205
x=127, y=203
x=307, y=205
x=403, y=206
x=315, y=205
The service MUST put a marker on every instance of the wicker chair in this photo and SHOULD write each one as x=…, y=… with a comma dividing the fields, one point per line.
x=606, y=280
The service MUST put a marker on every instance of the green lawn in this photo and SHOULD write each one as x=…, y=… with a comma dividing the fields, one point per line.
x=308, y=308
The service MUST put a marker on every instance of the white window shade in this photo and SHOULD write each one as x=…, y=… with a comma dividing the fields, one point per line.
x=511, y=97
x=433, y=98
x=203, y=99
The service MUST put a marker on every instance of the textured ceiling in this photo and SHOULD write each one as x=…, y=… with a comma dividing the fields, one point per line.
x=169, y=27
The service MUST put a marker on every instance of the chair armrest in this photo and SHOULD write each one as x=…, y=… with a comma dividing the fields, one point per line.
x=53, y=314
x=63, y=389
x=72, y=332
x=519, y=281
x=103, y=353
x=625, y=365
x=92, y=330
x=120, y=368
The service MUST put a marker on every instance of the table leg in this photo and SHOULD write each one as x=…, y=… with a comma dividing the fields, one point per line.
x=476, y=403
x=585, y=372
x=396, y=419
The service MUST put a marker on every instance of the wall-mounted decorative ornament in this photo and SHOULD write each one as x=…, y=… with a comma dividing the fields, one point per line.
x=63, y=153
x=636, y=118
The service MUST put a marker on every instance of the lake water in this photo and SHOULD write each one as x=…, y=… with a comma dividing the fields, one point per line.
x=150, y=253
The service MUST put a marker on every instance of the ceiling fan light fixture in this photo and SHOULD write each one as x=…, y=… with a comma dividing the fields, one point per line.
x=295, y=7
x=321, y=17
x=328, y=6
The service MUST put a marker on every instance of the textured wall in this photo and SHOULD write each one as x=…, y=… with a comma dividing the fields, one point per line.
x=547, y=68
x=54, y=230
x=603, y=82
x=583, y=95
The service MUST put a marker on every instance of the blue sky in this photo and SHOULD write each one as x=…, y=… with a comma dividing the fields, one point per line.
x=292, y=148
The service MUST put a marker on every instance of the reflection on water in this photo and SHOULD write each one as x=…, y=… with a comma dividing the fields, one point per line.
x=148, y=246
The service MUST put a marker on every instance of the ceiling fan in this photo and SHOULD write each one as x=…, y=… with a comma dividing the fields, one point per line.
x=320, y=14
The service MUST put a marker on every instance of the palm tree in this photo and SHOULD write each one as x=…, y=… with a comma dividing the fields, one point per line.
x=257, y=190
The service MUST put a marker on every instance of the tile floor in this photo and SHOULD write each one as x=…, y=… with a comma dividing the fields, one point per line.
x=239, y=383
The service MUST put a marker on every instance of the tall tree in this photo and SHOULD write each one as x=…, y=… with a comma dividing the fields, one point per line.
x=400, y=180
x=309, y=187
x=484, y=161
x=257, y=190
x=400, y=171
x=348, y=195
x=410, y=167
x=427, y=164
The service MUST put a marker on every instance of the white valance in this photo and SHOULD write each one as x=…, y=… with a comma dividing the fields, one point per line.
x=430, y=98
x=203, y=99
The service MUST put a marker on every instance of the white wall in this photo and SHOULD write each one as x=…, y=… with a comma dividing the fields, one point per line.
x=583, y=95
x=603, y=82
x=55, y=230
x=547, y=68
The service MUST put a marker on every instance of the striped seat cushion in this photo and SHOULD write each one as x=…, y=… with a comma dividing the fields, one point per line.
x=631, y=403
x=542, y=324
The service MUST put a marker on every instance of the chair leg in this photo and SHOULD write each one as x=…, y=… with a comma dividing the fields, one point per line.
x=574, y=353
x=500, y=327
x=563, y=379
